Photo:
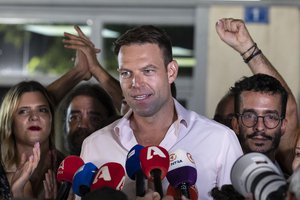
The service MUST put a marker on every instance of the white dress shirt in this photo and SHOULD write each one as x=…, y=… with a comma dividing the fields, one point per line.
x=213, y=147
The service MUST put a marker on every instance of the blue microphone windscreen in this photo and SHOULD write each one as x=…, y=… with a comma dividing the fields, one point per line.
x=132, y=164
x=83, y=179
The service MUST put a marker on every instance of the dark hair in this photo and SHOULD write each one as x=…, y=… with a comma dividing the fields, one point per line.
x=219, y=115
x=94, y=91
x=146, y=34
x=227, y=192
x=260, y=83
x=173, y=90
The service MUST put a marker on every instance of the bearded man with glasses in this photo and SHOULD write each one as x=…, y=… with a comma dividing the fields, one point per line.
x=260, y=109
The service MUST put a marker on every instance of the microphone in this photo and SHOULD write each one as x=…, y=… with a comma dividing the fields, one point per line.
x=83, y=179
x=182, y=173
x=134, y=170
x=155, y=164
x=65, y=173
x=111, y=175
x=176, y=192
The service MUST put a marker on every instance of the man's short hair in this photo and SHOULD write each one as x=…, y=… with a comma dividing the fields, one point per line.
x=146, y=34
x=259, y=83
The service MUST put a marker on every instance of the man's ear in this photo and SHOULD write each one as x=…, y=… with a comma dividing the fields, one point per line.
x=172, y=71
x=235, y=125
x=283, y=126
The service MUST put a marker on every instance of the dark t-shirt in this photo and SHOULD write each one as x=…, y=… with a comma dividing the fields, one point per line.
x=4, y=185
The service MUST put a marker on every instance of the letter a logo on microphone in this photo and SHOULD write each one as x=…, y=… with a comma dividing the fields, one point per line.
x=103, y=173
x=61, y=167
x=152, y=151
x=121, y=184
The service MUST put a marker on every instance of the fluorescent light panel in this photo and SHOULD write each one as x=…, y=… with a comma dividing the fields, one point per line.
x=57, y=31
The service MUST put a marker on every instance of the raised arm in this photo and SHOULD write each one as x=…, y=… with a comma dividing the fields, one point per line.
x=107, y=81
x=234, y=33
x=70, y=79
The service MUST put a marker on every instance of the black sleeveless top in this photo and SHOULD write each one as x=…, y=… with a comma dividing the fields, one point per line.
x=4, y=185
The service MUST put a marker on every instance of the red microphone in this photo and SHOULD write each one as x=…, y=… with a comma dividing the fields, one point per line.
x=109, y=175
x=176, y=192
x=65, y=173
x=155, y=163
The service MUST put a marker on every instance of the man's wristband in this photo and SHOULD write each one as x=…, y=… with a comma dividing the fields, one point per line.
x=253, y=46
x=246, y=60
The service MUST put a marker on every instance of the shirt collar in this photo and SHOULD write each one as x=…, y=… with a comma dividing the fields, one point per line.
x=125, y=134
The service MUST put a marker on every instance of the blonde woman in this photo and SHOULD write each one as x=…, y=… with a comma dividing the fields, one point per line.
x=27, y=127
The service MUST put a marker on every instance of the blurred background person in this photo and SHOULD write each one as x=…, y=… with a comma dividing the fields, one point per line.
x=86, y=109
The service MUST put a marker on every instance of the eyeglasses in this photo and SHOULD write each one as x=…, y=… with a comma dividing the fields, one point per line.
x=270, y=120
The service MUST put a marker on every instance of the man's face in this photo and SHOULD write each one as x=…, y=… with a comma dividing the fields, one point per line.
x=260, y=138
x=85, y=115
x=144, y=79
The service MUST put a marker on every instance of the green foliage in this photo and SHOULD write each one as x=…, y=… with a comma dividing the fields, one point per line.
x=56, y=60
x=13, y=34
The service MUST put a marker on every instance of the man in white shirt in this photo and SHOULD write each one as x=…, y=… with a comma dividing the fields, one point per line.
x=147, y=70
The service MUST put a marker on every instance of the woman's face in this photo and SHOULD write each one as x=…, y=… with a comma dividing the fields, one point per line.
x=296, y=161
x=32, y=119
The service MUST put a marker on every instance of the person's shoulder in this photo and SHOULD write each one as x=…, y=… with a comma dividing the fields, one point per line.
x=208, y=126
x=198, y=121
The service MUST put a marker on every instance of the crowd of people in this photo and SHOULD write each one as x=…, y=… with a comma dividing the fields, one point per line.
x=102, y=122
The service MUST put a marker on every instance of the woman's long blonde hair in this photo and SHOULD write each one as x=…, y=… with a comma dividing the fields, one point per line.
x=8, y=108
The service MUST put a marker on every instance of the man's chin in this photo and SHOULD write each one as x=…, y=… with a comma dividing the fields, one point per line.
x=260, y=149
x=75, y=140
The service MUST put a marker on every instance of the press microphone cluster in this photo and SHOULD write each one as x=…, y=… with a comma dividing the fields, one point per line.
x=151, y=162
x=89, y=178
x=155, y=163
x=86, y=177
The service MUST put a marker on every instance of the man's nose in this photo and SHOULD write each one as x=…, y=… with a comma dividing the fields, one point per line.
x=260, y=125
x=84, y=122
x=136, y=81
